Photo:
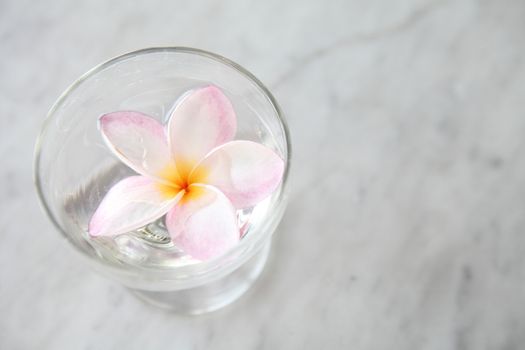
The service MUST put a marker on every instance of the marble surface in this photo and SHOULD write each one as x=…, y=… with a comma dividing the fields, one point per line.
x=405, y=228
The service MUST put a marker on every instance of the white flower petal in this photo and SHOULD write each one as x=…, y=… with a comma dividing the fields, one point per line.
x=203, y=223
x=201, y=120
x=246, y=172
x=130, y=204
x=140, y=142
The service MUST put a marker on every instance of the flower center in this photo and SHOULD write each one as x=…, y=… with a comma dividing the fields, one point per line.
x=184, y=185
x=181, y=180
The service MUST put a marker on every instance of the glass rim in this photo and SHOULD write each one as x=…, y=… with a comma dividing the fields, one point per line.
x=202, y=268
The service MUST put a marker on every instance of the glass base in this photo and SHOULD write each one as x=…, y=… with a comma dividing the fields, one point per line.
x=211, y=296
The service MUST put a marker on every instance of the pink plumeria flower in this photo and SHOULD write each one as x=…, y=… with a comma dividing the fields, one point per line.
x=191, y=171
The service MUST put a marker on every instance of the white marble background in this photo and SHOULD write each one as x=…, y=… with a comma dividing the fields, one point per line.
x=405, y=229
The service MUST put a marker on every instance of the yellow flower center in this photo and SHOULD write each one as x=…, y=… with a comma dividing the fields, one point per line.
x=181, y=178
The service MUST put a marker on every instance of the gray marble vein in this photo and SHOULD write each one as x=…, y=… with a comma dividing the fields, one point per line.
x=405, y=224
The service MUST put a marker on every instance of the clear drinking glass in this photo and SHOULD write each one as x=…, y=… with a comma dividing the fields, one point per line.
x=74, y=170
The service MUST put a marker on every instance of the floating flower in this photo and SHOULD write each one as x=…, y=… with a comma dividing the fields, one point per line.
x=190, y=170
